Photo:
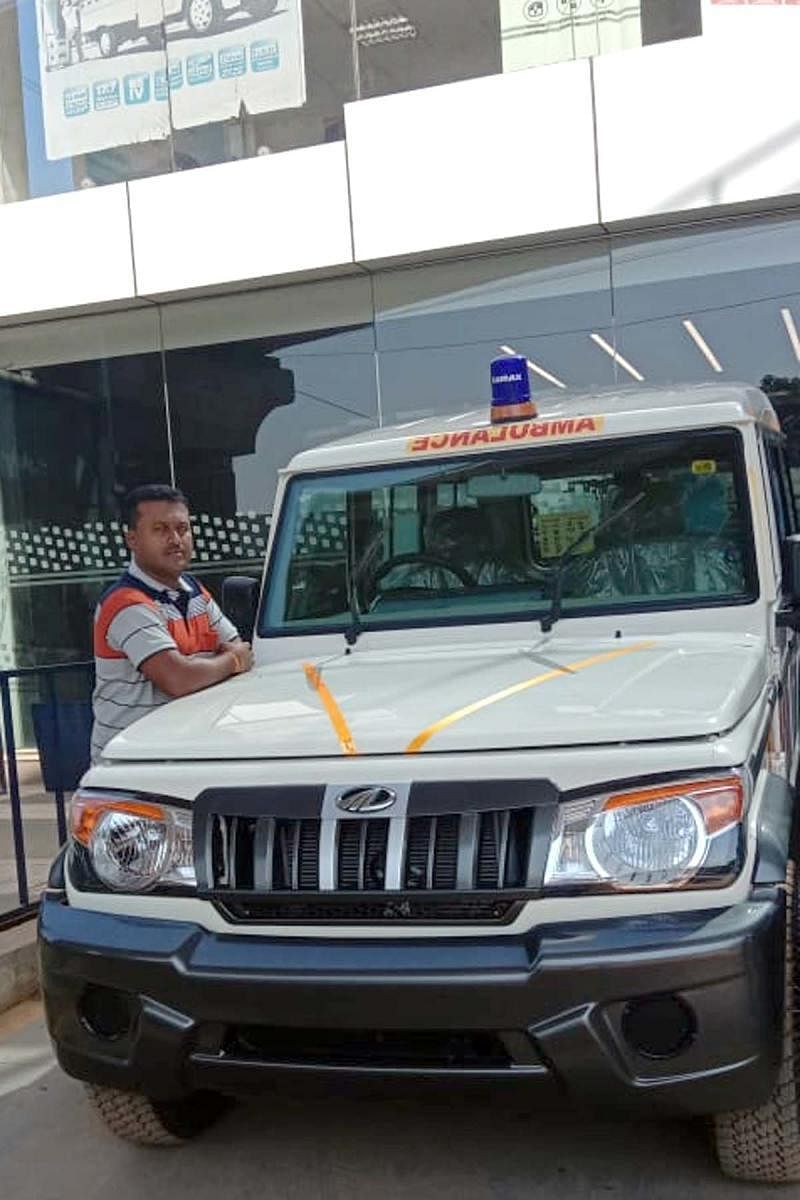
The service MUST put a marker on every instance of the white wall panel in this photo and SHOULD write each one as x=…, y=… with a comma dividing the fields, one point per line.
x=64, y=251
x=260, y=217
x=500, y=157
x=78, y=339
x=702, y=122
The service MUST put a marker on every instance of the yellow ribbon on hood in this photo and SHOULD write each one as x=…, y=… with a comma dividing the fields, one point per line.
x=419, y=741
x=342, y=729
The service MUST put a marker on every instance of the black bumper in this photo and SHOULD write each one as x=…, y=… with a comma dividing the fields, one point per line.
x=556, y=1009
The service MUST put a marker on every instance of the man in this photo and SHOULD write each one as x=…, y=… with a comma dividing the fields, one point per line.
x=158, y=633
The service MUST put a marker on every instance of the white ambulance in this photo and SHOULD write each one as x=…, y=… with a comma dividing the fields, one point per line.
x=507, y=802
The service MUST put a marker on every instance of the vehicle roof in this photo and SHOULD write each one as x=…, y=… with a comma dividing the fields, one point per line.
x=564, y=415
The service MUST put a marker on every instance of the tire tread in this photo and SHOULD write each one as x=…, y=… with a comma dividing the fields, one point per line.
x=131, y=1116
x=762, y=1145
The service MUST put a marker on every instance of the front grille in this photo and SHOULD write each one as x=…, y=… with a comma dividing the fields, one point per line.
x=366, y=1048
x=418, y=866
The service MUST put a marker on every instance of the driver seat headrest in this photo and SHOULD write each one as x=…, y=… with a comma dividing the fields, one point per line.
x=465, y=530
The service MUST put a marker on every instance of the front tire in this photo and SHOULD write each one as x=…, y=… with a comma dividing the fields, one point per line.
x=762, y=1144
x=135, y=1118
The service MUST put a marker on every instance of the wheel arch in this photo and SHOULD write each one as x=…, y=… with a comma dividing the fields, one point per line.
x=777, y=831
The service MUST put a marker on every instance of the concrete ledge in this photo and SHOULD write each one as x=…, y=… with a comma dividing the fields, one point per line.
x=19, y=965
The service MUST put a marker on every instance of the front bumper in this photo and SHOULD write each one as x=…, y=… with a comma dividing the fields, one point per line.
x=558, y=1008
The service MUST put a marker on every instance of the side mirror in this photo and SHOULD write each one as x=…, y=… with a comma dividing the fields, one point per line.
x=239, y=600
x=791, y=568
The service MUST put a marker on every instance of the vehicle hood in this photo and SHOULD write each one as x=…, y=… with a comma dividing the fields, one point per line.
x=449, y=697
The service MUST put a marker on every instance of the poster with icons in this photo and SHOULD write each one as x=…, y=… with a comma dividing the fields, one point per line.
x=119, y=72
x=537, y=32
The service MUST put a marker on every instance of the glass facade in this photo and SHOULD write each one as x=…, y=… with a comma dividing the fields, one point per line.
x=98, y=91
x=219, y=394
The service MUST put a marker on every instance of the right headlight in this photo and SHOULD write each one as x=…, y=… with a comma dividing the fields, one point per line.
x=130, y=843
x=682, y=834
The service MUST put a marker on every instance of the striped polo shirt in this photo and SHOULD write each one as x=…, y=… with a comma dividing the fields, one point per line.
x=136, y=618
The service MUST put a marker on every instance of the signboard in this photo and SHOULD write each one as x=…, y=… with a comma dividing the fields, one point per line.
x=107, y=80
x=537, y=32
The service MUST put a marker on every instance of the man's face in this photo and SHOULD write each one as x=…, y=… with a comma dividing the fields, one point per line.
x=161, y=539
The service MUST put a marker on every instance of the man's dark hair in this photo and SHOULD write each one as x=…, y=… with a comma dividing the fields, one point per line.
x=148, y=491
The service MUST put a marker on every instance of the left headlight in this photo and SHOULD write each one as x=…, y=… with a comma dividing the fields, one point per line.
x=132, y=844
x=682, y=834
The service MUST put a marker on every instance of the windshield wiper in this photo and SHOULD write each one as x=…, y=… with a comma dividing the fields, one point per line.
x=355, y=573
x=548, y=621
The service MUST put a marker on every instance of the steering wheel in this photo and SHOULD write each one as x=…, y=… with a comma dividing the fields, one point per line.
x=426, y=560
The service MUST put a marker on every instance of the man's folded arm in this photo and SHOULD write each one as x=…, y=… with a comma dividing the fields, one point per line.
x=176, y=675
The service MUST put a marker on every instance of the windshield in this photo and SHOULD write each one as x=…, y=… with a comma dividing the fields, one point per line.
x=489, y=538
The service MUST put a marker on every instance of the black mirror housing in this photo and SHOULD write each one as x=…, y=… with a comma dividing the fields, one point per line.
x=239, y=601
x=790, y=553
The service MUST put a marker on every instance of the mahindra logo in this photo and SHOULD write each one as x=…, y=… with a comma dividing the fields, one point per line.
x=366, y=800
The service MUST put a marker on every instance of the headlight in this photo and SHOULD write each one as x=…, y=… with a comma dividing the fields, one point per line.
x=650, y=838
x=132, y=845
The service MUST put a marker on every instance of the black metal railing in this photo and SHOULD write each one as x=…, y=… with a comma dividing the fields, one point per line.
x=48, y=708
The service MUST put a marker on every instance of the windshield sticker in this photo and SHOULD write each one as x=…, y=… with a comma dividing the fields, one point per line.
x=558, y=532
x=509, y=435
x=704, y=466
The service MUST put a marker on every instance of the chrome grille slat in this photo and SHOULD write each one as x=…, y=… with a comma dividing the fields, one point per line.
x=362, y=853
x=233, y=834
x=395, y=855
x=467, y=851
x=431, y=857
x=328, y=855
x=218, y=860
x=263, y=849
x=295, y=856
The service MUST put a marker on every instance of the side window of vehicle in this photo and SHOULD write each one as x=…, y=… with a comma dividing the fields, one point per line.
x=782, y=496
x=789, y=488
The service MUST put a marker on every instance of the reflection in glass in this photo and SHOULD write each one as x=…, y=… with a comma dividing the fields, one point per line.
x=420, y=44
x=241, y=410
x=713, y=304
x=121, y=89
x=75, y=438
x=438, y=327
x=102, y=103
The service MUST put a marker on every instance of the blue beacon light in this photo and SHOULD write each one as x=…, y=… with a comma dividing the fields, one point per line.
x=511, y=390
